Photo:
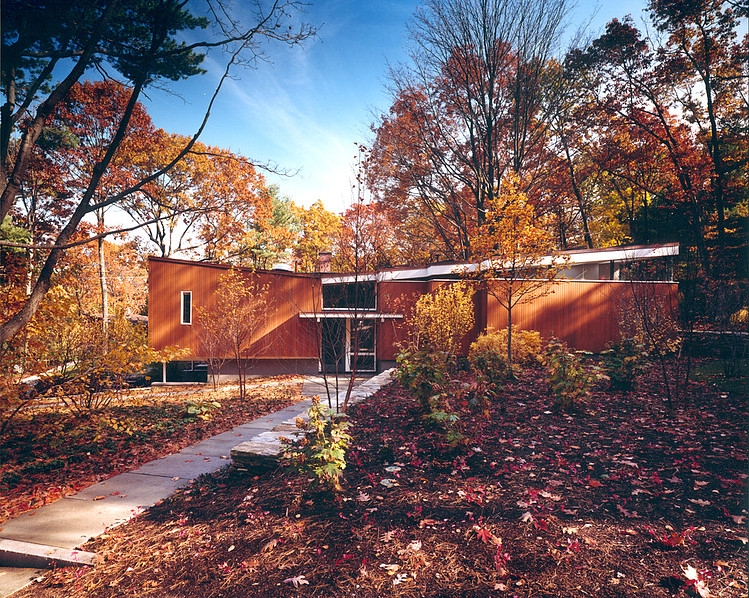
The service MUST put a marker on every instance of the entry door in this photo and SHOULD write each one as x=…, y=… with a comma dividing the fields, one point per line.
x=363, y=332
x=345, y=344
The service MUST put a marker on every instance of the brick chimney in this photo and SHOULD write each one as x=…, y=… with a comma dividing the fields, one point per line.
x=323, y=261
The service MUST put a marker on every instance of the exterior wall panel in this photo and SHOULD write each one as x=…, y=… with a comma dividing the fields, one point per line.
x=396, y=298
x=282, y=336
x=584, y=314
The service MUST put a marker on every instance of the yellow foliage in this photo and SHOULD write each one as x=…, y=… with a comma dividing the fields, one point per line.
x=526, y=344
x=442, y=319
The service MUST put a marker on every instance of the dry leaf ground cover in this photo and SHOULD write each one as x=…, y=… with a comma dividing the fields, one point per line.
x=621, y=498
x=49, y=451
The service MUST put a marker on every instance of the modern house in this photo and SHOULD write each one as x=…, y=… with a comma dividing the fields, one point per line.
x=313, y=321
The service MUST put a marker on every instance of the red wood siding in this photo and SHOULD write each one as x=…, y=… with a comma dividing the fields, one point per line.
x=283, y=336
x=395, y=298
x=584, y=314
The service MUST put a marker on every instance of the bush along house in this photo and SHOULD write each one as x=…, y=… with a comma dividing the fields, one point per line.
x=283, y=322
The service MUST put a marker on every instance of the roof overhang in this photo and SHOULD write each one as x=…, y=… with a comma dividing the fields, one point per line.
x=452, y=270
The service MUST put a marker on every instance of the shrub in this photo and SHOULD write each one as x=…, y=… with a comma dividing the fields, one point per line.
x=322, y=449
x=488, y=353
x=527, y=346
x=624, y=361
x=443, y=416
x=200, y=408
x=423, y=372
x=488, y=357
x=566, y=375
x=441, y=319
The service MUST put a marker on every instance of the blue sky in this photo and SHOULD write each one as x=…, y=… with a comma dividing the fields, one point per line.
x=307, y=110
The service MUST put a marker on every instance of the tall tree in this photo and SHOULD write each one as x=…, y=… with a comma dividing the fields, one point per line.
x=468, y=110
x=707, y=64
x=139, y=41
x=685, y=95
x=272, y=235
x=319, y=229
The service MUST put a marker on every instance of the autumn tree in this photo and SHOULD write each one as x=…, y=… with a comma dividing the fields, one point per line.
x=77, y=134
x=232, y=325
x=319, y=228
x=61, y=42
x=270, y=239
x=682, y=94
x=366, y=240
x=514, y=250
x=467, y=110
x=707, y=66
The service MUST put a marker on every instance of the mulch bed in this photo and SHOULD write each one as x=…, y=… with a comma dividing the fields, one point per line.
x=49, y=452
x=621, y=498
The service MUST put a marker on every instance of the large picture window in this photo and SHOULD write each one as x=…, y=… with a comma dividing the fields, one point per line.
x=186, y=307
x=349, y=295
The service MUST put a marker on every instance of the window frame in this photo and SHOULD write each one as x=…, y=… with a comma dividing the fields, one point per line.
x=182, y=311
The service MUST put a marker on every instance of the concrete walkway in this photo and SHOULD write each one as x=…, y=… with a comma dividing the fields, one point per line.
x=55, y=531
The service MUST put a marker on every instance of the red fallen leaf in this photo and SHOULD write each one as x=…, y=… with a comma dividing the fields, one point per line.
x=626, y=513
x=541, y=524
x=593, y=483
x=486, y=536
x=346, y=557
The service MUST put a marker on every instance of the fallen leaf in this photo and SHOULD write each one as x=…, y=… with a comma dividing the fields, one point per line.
x=550, y=496
x=297, y=581
x=100, y=497
x=626, y=513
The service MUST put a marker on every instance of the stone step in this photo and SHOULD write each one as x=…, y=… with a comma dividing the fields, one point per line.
x=14, y=553
x=262, y=452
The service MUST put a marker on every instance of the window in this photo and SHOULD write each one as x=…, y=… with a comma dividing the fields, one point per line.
x=352, y=295
x=186, y=310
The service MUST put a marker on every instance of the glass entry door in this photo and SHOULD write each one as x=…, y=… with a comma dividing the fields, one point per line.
x=347, y=343
x=361, y=346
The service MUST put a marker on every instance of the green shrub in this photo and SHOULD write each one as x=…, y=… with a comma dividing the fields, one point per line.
x=423, y=373
x=200, y=408
x=624, y=361
x=566, y=375
x=322, y=449
x=442, y=415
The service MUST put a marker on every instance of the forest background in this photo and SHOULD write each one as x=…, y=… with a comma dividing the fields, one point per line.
x=637, y=136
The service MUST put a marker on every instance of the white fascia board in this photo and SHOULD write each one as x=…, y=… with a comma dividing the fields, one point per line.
x=623, y=254
x=348, y=314
x=348, y=278
x=591, y=256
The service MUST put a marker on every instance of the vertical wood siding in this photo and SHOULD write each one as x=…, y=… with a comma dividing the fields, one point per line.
x=283, y=336
x=584, y=314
